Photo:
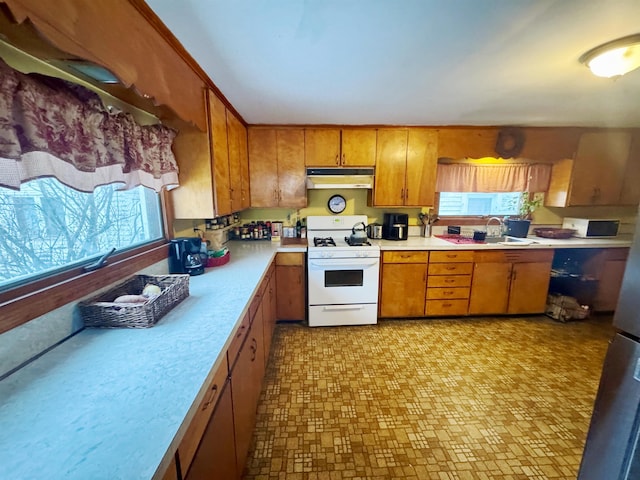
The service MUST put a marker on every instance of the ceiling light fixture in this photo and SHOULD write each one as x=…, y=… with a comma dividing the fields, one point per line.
x=614, y=58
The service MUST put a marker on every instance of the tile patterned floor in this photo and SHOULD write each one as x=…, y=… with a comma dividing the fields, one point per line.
x=503, y=398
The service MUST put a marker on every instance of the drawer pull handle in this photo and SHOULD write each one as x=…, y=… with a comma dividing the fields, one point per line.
x=450, y=268
x=449, y=280
x=212, y=395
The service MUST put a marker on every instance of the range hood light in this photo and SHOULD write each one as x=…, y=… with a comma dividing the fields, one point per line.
x=329, y=178
x=93, y=71
x=614, y=58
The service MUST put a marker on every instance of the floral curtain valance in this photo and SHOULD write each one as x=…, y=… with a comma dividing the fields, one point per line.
x=53, y=128
x=519, y=177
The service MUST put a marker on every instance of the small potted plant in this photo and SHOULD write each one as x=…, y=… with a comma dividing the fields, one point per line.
x=519, y=226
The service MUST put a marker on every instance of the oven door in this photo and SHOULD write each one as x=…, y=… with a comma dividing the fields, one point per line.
x=343, y=281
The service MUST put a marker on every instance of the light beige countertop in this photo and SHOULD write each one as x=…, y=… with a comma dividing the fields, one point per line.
x=434, y=243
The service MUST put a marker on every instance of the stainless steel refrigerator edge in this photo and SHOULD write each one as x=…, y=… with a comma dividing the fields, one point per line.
x=612, y=449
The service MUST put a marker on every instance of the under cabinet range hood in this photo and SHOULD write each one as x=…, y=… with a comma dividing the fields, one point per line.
x=323, y=178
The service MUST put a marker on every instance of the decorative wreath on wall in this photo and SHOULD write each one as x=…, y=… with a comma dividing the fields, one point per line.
x=510, y=142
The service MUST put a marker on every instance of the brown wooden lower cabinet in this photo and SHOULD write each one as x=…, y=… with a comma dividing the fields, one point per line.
x=217, y=441
x=510, y=282
x=216, y=455
x=269, y=306
x=291, y=295
x=490, y=288
x=403, y=283
x=246, y=383
x=607, y=267
x=191, y=440
x=448, y=283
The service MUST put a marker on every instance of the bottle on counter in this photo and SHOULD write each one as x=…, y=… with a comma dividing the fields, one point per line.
x=298, y=228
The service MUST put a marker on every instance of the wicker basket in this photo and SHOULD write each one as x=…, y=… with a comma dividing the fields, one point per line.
x=175, y=288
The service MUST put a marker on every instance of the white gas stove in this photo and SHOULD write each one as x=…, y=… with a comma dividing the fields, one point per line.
x=343, y=278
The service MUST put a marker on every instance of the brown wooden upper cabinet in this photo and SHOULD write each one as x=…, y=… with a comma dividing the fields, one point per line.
x=335, y=147
x=467, y=142
x=541, y=144
x=406, y=164
x=604, y=172
x=276, y=167
x=214, y=167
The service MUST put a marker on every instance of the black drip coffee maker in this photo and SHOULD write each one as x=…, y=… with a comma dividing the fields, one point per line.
x=184, y=256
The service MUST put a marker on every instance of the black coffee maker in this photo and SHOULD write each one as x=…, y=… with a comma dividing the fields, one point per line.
x=184, y=256
x=395, y=226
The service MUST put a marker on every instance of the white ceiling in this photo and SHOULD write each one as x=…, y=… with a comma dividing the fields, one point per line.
x=411, y=62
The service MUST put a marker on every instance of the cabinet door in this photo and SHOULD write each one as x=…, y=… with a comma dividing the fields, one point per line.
x=529, y=287
x=220, y=154
x=238, y=163
x=194, y=198
x=391, y=166
x=192, y=437
x=609, y=284
x=263, y=167
x=292, y=176
x=599, y=169
x=268, y=312
x=322, y=147
x=402, y=290
x=422, y=163
x=291, y=295
x=490, y=288
x=245, y=392
x=216, y=455
x=358, y=147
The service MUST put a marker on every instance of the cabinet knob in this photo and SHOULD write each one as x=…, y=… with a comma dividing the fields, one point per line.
x=337, y=159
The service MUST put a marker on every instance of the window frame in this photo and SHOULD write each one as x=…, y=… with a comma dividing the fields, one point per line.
x=25, y=302
x=462, y=220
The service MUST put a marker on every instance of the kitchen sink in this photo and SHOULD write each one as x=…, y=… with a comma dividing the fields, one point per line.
x=507, y=240
x=502, y=240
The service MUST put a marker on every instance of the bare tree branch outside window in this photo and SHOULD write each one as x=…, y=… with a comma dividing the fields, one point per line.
x=47, y=226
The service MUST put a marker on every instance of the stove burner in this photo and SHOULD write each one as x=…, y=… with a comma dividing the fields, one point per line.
x=351, y=243
x=323, y=242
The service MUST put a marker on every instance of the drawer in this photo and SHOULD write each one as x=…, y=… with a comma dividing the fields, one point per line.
x=514, y=256
x=450, y=268
x=446, y=307
x=446, y=292
x=236, y=343
x=449, y=281
x=405, y=257
x=293, y=258
x=451, y=256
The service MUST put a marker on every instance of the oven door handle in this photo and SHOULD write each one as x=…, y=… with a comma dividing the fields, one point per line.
x=344, y=262
x=333, y=308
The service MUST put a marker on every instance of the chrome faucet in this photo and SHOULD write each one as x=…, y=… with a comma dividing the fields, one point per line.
x=500, y=227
